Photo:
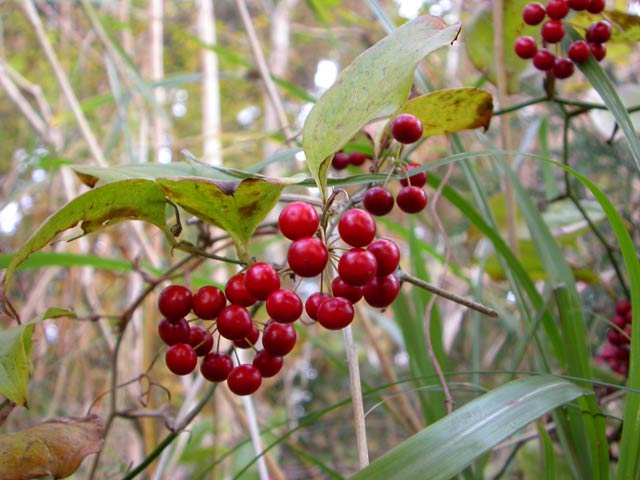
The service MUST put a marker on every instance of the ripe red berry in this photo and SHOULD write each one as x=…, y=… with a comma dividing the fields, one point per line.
x=313, y=302
x=298, y=220
x=596, y=6
x=237, y=292
x=181, y=359
x=173, y=332
x=357, y=158
x=417, y=179
x=261, y=279
x=563, y=68
x=619, y=321
x=533, y=13
x=174, y=302
x=557, y=9
x=284, y=306
x=599, y=32
x=412, y=199
x=279, y=338
x=357, y=266
x=200, y=339
x=340, y=161
x=525, y=47
x=244, y=379
x=381, y=291
x=357, y=227
x=617, y=338
x=307, y=257
x=208, y=301
x=387, y=256
x=336, y=313
x=250, y=340
x=579, y=51
x=552, y=31
x=268, y=365
x=406, y=128
x=579, y=5
x=622, y=307
x=216, y=367
x=598, y=50
x=378, y=201
x=234, y=322
x=340, y=288
x=544, y=59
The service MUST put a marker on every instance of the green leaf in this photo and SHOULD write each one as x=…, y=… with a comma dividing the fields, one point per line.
x=15, y=362
x=451, y=110
x=236, y=207
x=98, y=209
x=375, y=85
x=447, y=447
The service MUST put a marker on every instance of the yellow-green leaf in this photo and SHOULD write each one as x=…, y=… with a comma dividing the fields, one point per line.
x=15, y=363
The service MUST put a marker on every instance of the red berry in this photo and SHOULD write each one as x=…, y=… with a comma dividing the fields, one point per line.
x=598, y=50
x=563, y=68
x=617, y=338
x=335, y=314
x=244, y=379
x=261, y=279
x=387, y=256
x=544, y=59
x=268, y=365
x=250, y=340
x=174, y=302
x=378, y=201
x=557, y=9
x=284, y=306
x=596, y=6
x=357, y=266
x=406, y=128
x=173, y=332
x=297, y=220
x=579, y=51
x=599, y=32
x=307, y=257
x=342, y=289
x=552, y=31
x=181, y=359
x=417, y=179
x=412, y=199
x=619, y=321
x=525, y=47
x=357, y=158
x=533, y=13
x=234, y=322
x=200, y=339
x=579, y=4
x=357, y=227
x=216, y=367
x=313, y=302
x=623, y=306
x=237, y=292
x=340, y=161
x=279, y=338
x=382, y=291
x=208, y=301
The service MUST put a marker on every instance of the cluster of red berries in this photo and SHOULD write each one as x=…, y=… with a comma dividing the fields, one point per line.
x=552, y=31
x=615, y=351
x=342, y=160
x=367, y=273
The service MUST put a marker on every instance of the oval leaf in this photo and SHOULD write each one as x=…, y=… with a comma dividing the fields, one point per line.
x=447, y=447
x=375, y=85
x=15, y=363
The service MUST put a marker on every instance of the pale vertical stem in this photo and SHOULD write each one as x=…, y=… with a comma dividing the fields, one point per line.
x=156, y=65
x=355, y=387
x=210, y=84
x=124, y=11
x=505, y=133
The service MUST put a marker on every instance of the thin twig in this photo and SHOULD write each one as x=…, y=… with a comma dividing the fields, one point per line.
x=356, y=397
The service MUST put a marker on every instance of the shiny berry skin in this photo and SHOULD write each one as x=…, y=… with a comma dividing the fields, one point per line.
x=174, y=302
x=381, y=291
x=525, y=47
x=200, y=339
x=284, y=306
x=596, y=6
x=173, y=332
x=622, y=307
x=544, y=59
x=268, y=365
x=599, y=32
x=208, y=301
x=307, y=257
x=279, y=338
x=181, y=359
x=261, y=279
x=411, y=199
x=357, y=266
x=340, y=161
x=335, y=313
x=598, y=50
x=417, y=179
x=387, y=256
x=406, y=128
x=579, y=51
x=563, y=68
x=237, y=292
x=357, y=227
x=216, y=367
x=378, y=201
x=250, y=340
x=340, y=288
x=357, y=158
x=557, y=9
x=244, y=379
x=579, y=5
x=619, y=321
x=533, y=13
x=313, y=302
x=298, y=220
x=552, y=31
x=234, y=322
